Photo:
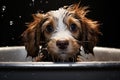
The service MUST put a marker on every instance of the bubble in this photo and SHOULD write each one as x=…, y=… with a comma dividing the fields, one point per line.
x=13, y=38
x=40, y=1
x=33, y=2
x=2, y=16
x=20, y=17
x=40, y=11
x=30, y=4
x=46, y=2
x=11, y=23
x=3, y=8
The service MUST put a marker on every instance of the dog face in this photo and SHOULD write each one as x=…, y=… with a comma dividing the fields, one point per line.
x=62, y=32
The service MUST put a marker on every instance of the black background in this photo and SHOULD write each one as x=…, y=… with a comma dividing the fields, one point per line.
x=15, y=13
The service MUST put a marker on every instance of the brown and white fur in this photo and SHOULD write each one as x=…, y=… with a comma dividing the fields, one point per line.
x=61, y=34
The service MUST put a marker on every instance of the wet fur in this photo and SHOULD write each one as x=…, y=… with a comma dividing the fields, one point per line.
x=35, y=36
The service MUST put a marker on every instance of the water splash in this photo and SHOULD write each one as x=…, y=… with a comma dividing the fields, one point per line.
x=41, y=1
x=20, y=17
x=11, y=23
x=3, y=8
x=33, y=2
x=46, y=2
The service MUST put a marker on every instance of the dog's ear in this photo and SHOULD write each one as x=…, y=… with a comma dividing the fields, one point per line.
x=90, y=34
x=31, y=36
x=90, y=28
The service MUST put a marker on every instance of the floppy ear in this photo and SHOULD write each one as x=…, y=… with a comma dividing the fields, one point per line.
x=31, y=36
x=90, y=29
x=90, y=34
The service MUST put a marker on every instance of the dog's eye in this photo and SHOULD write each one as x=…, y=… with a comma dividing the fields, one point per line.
x=73, y=27
x=49, y=28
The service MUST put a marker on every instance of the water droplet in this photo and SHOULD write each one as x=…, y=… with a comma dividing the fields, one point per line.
x=33, y=2
x=11, y=23
x=30, y=4
x=40, y=1
x=46, y=2
x=12, y=38
x=40, y=11
x=3, y=8
x=2, y=16
x=20, y=16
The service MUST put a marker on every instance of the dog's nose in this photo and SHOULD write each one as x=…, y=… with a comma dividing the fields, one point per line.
x=62, y=44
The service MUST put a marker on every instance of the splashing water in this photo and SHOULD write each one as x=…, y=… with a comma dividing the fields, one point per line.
x=3, y=8
x=33, y=2
x=11, y=23
x=20, y=17
x=41, y=1
x=46, y=2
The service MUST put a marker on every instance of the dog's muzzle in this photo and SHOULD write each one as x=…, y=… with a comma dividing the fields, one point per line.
x=62, y=44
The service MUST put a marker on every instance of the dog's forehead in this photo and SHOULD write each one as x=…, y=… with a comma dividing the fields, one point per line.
x=59, y=14
x=61, y=28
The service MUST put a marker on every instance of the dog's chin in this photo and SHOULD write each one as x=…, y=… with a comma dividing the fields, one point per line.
x=64, y=56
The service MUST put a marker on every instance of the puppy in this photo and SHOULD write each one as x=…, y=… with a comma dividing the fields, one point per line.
x=60, y=35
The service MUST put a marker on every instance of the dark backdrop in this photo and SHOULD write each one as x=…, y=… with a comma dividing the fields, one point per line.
x=15, y=13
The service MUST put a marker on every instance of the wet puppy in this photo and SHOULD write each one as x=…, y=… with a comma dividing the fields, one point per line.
x=60, y=35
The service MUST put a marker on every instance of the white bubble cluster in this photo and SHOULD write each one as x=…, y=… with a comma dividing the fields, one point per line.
x=3, y=8
x=11, y=23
